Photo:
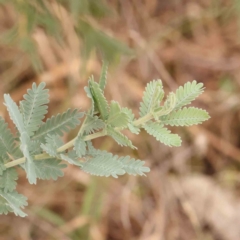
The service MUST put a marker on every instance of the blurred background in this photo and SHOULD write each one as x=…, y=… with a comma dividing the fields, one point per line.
x=193, y=191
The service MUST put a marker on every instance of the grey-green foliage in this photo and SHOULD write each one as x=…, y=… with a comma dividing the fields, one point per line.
x=34, y=107
x=39, y=150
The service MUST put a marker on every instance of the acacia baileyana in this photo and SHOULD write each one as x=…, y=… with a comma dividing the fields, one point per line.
x=38, y=149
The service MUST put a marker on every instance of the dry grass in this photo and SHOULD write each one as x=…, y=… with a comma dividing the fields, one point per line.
x=192, y=191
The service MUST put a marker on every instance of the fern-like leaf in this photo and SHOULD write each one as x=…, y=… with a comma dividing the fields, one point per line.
x=29, y=164
x=4, y=206
x=152, y=97
x=80, y=146
x=53, y=142
x=99, y=99
x=168, y=106
x=121, y=139
x=58, y=124
x=2, y=167
x=15, y=202
x=34, y=107
x=187, y=93
x=103, y=76
x=106, y=164
x=89, y=95
x=35, y=148
x=134, y=129
x=71, y=157
x=186, y=117
x=8, y=180
x=7, y=145
x=133, y=167
x=103, y=165
x=14, y=113
x=117, y=117
x=162, y=134
x=92, y=124
x=49, y=169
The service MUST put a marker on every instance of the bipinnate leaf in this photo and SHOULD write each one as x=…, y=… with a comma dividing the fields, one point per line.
x=29, y=164
x=35, y=147
x=121, y=139
x=103, y=165
x=49, y=169
x=14, y=202
x=80, y=146
x=4, y=206
x=71, y=157
x=7, y=145
x=187, y=93
x=2, y=167
x=92, y=124
x=58, y=124
x=152, y=97
x=133, y=166
x=134, y=129
x=34, y=107
x=14, y=113
x=162, y=134
x=169, y=105
x=106, y=164
x=117, y=117
x=99, y=99
x=186, y=117
x=103, y=76
x=8, y=180
x=53, y=142
x=89, y=95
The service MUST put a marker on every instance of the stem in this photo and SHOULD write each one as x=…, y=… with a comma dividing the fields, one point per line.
x=70, y=144
x=143, y=119
x=61, y=149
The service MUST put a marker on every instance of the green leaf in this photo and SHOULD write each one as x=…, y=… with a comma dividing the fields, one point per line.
x=117, y=117
x=152, y=97
x=71, y=157
x=99, y=99
x=2, y=168
x=186, y=117
x=53, y=142
x=80, y=146
x=162, y=134
x=7, y=145
x=4, y=206
x=49, y=169
x=35, y=148
x=34, y=107
x=8, y=180
x=59, y=124
x=29, y=164
x=186, y=94
x=133, y=167
x=134, y=129
x=14, y=201
x=14, y=113
x=92, y=124
x=121, y=139
x=104, y=164
x=103, y=76
x=89, y=95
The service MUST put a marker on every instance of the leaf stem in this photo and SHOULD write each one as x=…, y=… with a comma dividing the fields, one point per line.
x=143, y=119
x=60, y=149
x=70, y=144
